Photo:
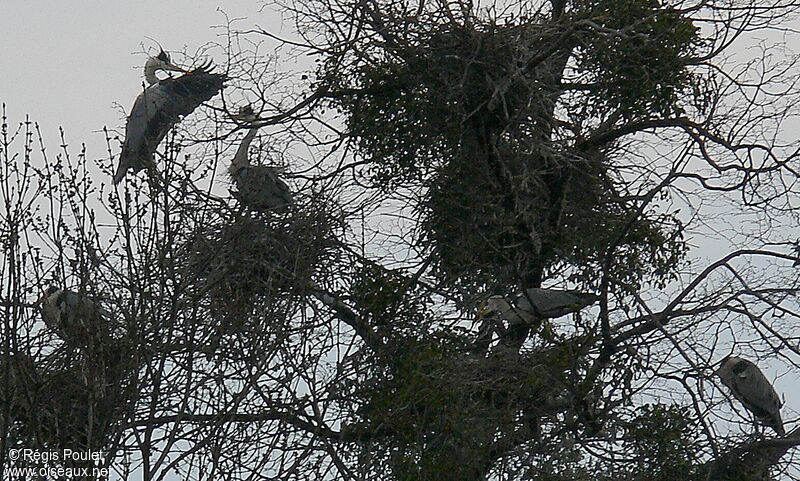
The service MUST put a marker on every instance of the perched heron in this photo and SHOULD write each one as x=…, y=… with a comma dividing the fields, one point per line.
x=537, y=303
x=258, y=186
x=156, y=110
x=751, y=388
x=69, y=314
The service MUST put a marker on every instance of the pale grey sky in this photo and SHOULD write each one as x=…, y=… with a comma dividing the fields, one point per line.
x=67, y=63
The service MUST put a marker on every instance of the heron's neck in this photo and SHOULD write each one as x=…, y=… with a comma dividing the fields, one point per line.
x=242, y=159
x=150, y=73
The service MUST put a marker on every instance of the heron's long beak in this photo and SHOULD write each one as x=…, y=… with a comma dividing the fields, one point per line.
x=174, y=68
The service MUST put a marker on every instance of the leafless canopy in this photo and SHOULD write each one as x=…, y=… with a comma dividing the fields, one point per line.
x=439, y=154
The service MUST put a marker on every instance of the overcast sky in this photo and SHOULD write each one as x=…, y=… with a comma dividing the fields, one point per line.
x=67, y=63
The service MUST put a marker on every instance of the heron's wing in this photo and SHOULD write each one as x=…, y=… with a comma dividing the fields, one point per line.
x=174, y=98
x=755, y=389
x=505, y=310
x=260, y=188
x=157, y=109
x=190, y=90
x=147, y=106
x=552, y=303
x=141, y=129
x=80, y=306
x=278, y=186
x=71, y=299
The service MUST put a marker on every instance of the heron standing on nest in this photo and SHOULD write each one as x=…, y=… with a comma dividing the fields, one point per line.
x=71, y=315
x=258, y=186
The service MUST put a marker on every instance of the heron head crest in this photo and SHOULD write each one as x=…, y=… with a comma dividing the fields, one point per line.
x=161, y=61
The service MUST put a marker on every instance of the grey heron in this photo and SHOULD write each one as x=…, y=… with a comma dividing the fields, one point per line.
x=538, y=303
x=258, y=186
x=751, y=388
x=70, y=314
x=158, y=108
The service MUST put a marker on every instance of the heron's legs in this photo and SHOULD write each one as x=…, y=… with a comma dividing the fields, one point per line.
x=758, y=432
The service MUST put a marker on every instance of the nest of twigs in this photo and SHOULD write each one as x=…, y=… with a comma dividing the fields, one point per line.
x=246, y=262
x=67, y=399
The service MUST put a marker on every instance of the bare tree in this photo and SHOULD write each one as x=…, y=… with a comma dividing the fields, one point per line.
x=441, y=155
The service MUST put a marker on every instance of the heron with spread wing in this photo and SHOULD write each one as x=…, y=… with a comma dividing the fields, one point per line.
x=158, y=108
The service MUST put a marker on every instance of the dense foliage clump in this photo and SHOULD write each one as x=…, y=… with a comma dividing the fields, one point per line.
x=471, y=113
